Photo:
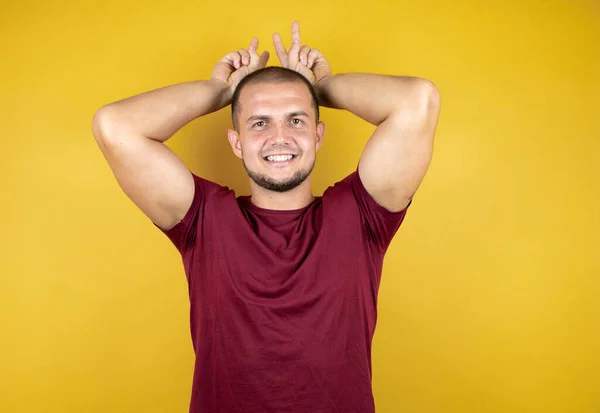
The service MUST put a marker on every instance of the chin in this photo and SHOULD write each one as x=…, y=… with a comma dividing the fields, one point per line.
x=280, y=182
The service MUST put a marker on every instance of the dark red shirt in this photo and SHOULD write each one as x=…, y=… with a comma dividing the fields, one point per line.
x=283, y=303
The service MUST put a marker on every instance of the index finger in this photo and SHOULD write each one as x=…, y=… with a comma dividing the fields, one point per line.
x=296, y=33
x=253, y=45
x=280, y=50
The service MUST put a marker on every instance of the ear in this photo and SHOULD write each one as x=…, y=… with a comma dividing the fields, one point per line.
x=320, y=134
x=234, y=141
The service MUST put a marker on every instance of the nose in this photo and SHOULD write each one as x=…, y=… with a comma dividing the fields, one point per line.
x=281, y=135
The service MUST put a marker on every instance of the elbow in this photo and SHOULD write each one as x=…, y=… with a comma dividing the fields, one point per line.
x=105, y=124
x=425, y=104
x=420, y=106
x=421, y=99
x=429, y=100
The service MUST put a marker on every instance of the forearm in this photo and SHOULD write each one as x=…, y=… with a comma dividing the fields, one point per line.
x=373, y=97
x=160, y=113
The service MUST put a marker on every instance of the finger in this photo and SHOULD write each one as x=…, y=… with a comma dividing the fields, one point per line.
x=254, y=57
x=303, y=55
x=253, y=45
x=235, y=59
x=245, y=56
x=229, y=59
x=312, y=56
x=296, y=33
x=264, y=58
x=256, y=61
x=280, y=50
x=296, y=43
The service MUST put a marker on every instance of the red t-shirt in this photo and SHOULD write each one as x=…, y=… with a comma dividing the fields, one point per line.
x=283, y=303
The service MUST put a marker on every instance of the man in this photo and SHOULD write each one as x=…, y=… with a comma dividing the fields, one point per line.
x=282, y=284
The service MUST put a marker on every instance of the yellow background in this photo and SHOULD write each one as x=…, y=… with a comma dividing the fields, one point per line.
x=490, y=294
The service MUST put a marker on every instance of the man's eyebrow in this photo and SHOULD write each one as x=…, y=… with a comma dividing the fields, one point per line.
x=294, y=114
x=257, y=117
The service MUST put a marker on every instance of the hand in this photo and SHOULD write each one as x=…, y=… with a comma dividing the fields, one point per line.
x=308, y=62
x=232, y=68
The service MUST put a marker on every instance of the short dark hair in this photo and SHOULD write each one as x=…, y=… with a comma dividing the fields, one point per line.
x=271, y=74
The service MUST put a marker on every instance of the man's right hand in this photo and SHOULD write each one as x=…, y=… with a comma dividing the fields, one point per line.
x=232, y=68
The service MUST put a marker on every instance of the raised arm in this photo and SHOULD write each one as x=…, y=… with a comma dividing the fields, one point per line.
x=404, y=109
x=131, y=134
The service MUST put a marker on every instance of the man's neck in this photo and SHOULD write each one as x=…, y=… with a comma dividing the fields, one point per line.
x=296, y=198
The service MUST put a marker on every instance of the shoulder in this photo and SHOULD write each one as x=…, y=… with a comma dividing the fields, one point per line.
x=342, y=200
x=342, y=186
x=207, y=187
x=349, y=203
x=352, y=187
x=209, y=199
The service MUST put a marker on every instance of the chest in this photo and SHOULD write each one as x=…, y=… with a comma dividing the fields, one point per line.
x=286, y=260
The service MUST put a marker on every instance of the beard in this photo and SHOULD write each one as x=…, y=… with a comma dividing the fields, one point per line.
x=280, y=186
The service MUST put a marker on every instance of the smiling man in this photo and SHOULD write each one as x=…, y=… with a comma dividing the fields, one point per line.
x=282, y=284
x=286, y=163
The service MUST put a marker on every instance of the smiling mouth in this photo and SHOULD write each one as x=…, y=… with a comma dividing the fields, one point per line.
x=279, y=158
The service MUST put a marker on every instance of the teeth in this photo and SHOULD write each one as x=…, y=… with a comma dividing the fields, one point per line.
x=279, y=158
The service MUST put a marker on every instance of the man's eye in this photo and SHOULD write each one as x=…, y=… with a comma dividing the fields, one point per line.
x=296, y=121
x=260, y=124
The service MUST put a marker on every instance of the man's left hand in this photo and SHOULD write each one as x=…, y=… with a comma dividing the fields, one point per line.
x=310, y=63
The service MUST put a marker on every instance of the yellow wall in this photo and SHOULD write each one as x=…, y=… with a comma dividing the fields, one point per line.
x=489, y=301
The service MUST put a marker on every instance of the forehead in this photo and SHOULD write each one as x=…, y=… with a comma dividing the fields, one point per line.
x=275, y=98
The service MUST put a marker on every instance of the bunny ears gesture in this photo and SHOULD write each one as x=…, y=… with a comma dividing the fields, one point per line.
x=310, y=63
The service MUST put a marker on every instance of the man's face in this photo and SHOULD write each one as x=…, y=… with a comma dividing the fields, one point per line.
x=277, y=135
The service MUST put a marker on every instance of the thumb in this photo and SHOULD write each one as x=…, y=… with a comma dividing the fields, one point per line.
x=264, y=58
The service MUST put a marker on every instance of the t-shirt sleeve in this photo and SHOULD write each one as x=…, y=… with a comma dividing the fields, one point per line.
x=185, y=233
x=381, y=224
